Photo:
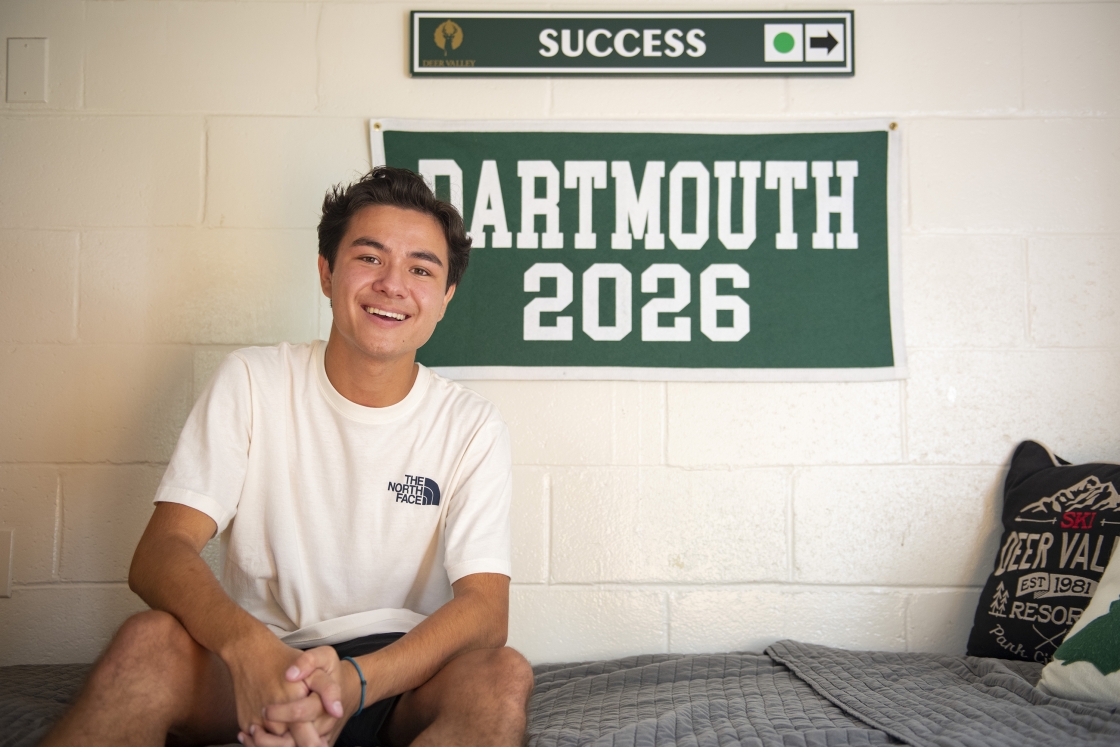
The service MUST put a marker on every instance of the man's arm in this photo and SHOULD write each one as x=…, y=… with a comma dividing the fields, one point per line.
x=169, y=574
x=477, y=617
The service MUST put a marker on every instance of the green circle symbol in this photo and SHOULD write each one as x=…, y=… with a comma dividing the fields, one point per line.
x=783, y=42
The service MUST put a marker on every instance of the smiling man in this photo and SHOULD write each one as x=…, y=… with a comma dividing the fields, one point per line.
x=363, y=506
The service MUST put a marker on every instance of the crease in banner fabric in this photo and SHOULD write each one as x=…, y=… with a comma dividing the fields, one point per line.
x=671, y=251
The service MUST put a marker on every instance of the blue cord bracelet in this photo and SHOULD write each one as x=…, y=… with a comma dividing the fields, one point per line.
x=362, y=702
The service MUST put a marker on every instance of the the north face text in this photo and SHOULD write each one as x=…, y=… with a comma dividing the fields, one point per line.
x=419, y=491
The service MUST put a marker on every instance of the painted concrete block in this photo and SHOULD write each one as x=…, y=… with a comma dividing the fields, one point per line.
x=1071, y=62
x=1075, y=291
x=653, y=98
x=104, y=512
x=63, y=624
x=554, y=422
x=1053, y=175
x=38, y=285
x=551, y=624
x=706, y=621
x=28, y=503
x=639, y=422
x=635, y=524
x=895, y=69
x=938, y=622
x=929, y=526
x=273, y=172
x=529, y=524
x=60, y=23
x=104, y=171
x=120, y=403
x=199, y=286
x=201, y=57
x=364, y=79
x=792, y=423
x=964, y=291
x=975, y=407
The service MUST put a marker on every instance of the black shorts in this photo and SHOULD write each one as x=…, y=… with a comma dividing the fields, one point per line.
x=362, y=730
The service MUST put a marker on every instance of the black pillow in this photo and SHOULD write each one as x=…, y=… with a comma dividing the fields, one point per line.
x=1061, y=524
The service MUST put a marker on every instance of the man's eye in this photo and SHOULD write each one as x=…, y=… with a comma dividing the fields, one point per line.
x=421, y=271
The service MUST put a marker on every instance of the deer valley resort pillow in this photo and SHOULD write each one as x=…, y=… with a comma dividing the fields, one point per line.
x=1061, y=524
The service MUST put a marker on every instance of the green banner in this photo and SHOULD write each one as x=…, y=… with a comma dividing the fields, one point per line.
x=693, y=252
x=642, y=43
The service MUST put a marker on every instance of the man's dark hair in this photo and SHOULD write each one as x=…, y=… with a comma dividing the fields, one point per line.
x=387, y=185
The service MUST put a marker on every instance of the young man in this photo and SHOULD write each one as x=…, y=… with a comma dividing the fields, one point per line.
x=363, y=506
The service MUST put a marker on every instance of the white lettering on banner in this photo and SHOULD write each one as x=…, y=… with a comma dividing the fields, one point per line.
x=711, y=303
x=638, y=215
x=490, y=209
x=673, y=42
x=749, y=171
x=843, y=204
x=586, y=175
x=639, y=212
x=696, y=171
x=592, y=45
x=681, y=331
x=1017, y=542
x=548, y=43
x=532, y=206
x=433, y=168
x=786, y=176
x=532, y=329
x=651, y=41
x=698, y=48
x=566, y=43
x=620, y=43
x=592, y=324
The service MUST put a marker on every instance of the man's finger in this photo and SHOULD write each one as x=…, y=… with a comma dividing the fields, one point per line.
x=261, y=738
x=304, y=709
x=306, y=736
x=322, y=657
x=329, y=691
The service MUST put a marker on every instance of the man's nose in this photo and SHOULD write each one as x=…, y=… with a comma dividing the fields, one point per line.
x=391, y=280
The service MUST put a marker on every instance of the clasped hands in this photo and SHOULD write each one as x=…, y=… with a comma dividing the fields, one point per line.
x=307, y=709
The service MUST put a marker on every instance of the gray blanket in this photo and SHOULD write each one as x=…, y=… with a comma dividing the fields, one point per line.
x=794, y=695
x=800, y=694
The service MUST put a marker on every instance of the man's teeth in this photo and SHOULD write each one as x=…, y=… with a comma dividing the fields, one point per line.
x=381, y=312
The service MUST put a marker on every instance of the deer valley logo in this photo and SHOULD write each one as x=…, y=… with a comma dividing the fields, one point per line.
x=415, y=490
x=448, y=38
x=449, y=35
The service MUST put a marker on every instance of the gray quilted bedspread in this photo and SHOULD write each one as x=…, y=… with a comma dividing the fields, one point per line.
x=794, y=695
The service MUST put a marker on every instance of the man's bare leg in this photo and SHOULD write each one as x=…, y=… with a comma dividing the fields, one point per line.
x=153, y=685
x=479, y=698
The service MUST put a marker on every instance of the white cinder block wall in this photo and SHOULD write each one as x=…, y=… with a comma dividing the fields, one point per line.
x=159, y=211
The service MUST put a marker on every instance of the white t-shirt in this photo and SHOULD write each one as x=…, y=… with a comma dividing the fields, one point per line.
x=339, y=520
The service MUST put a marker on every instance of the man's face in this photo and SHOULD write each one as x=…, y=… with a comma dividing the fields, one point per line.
x=389, y=283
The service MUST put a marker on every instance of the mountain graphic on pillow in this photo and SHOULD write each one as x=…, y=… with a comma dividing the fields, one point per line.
x=1097, y=643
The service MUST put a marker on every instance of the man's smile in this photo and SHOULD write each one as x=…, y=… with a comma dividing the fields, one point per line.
x=374, y=311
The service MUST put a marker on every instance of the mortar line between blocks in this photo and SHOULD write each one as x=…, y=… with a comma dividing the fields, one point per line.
x=904, y=428
x=318, y=58
x=790, y=539
x=204, y=172
x=547, y=487
x=76, y=302
x=1028, y=331
x=56, y=555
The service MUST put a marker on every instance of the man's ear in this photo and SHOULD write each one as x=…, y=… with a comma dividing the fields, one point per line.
x=446, y=300
x=325, y=276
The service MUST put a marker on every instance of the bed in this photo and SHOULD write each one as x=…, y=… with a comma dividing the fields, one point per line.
x=792, y=695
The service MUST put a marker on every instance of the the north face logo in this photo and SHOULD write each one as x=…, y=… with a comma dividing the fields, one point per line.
x=419, y=491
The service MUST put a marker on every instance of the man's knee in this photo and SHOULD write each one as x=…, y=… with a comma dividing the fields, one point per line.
x=511, y=677
x=150, y=640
